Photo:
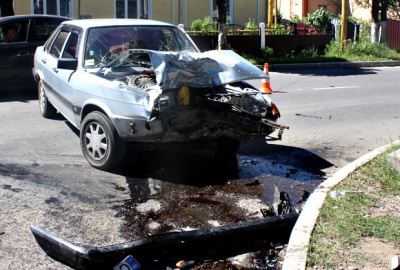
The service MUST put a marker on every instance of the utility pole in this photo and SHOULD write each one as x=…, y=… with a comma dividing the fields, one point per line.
x=270, y=12
x=344, y=24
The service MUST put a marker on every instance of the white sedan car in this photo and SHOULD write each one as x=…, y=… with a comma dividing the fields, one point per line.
x=144, y=83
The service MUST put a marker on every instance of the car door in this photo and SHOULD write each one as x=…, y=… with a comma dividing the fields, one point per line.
x=59, y=90
x=16, y=57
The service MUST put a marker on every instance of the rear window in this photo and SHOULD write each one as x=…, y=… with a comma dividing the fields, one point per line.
x=42, y=29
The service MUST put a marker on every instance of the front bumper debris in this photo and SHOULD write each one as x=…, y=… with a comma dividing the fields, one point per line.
x=273, y=124
x=216, y=243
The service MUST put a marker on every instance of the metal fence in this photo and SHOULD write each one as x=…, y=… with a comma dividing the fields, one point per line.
x=281, y=44
x=393, y=34
x=290, y=44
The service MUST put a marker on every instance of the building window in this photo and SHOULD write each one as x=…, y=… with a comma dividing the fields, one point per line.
x=229, y=10
x=133, y=9
x=52, y=7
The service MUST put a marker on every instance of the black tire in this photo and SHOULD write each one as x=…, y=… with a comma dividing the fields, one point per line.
x=227, y=146
x=46, y=108
x=100, y=142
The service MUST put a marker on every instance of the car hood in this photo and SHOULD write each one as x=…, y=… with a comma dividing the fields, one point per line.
x=208, y=69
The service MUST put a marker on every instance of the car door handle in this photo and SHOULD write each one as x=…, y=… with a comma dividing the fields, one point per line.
x=44, y=61
x=55, y=70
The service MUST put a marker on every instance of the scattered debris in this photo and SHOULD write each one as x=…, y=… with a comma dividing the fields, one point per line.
x=284, y=207
x=129, y=263
x=337, y=194
x=394, y=160
x=184, y=264
x=395, y=263
x=254, y=183
x=304, y=197
x=267, y=262
x=310, y=116
x=1, y=232
x=268, y=212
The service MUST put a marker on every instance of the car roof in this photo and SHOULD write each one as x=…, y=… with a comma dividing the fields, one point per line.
x=89, y=23
x=32, y=16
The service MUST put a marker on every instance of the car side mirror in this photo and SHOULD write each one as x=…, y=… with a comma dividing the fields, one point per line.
x=67, y=63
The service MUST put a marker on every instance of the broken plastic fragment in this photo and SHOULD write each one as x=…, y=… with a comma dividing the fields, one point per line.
x=182, y=264
x=129, y=263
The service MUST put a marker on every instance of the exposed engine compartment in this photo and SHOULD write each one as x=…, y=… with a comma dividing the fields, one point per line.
x=191, y=97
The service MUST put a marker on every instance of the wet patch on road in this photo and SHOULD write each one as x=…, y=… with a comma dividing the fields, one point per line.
x=199, y=188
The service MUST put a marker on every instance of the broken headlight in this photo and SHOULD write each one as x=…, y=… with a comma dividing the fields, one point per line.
x=255, y=110
x=163, y=102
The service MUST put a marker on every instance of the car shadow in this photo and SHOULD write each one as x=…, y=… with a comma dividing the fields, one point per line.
x=350, y=71
x=194, y=166
x=202, y=167
x=24, y=95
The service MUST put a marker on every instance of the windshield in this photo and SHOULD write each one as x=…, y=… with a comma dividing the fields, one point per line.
x=107, y=43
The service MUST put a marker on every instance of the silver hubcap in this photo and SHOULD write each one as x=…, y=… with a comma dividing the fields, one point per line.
x=42, y=98
x=96, y=141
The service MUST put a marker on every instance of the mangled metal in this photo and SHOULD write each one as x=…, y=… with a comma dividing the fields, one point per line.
x=194, y=83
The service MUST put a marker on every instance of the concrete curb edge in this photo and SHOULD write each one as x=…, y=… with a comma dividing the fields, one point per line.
x=330, y=65
x=296, y=255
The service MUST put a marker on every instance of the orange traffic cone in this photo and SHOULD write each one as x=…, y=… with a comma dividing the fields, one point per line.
x=265, y=87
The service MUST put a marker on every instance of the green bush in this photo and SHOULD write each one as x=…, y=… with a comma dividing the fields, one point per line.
x=321, y=19
x=196, y=25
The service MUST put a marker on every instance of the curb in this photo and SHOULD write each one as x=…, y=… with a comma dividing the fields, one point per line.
x=328, y=65
x=296, y=255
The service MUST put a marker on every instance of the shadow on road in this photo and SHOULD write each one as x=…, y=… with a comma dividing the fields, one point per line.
x=330, y=72
x=24, y=95
x=199, y=167
x=195, y=167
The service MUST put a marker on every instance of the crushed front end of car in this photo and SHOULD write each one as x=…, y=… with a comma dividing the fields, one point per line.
x=194, y=97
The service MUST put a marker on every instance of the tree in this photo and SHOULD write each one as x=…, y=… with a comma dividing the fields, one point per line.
x=222, y=37
x=375, y=21
x=380, y=9
x=6, y=7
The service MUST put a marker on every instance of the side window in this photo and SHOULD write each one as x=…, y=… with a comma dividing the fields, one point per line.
x=58, y=44
x=42, y=29
x=71, y=47
x=14, y=32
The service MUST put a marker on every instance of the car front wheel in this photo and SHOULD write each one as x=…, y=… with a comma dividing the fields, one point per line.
x=46, y=108
x=100, y=142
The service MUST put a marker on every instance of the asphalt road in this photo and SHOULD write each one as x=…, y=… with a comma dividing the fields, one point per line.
x=335, y=116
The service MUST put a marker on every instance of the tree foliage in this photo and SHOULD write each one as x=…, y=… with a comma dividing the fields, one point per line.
x=392, y=6
x=320, y=18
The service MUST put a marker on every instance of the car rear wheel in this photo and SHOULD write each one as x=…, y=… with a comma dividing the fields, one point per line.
x=100, y=142
x=46, y=108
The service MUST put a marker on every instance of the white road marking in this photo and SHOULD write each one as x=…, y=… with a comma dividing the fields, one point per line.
x=336, y=87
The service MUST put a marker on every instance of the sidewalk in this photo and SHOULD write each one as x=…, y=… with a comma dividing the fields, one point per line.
x=327, y=65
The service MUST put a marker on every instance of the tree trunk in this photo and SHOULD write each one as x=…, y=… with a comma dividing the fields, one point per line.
x=222, y=38
x=375, y=21
x=384, y=8
x=7, y=8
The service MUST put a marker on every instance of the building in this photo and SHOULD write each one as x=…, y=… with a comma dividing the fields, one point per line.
x=171, y=11
x=300, y=8
x=179, y=11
